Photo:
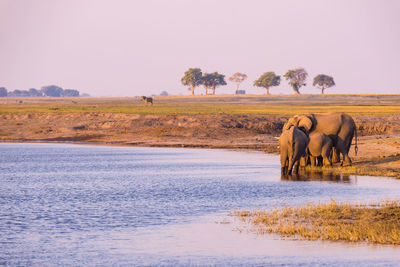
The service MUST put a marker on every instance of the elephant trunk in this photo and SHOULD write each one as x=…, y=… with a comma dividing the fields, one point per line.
x=356, y=147
x=292, y=156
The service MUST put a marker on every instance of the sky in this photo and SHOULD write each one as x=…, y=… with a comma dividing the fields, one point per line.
x=132, y=47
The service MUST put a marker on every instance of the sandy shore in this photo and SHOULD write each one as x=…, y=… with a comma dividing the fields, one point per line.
x=379, y=137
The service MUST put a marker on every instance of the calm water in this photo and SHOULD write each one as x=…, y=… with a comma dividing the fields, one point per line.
x=93, y=205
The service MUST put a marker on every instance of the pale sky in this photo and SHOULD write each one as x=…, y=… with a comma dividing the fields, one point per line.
x=128, y=47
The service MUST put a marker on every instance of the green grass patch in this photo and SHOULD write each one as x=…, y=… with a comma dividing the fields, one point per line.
x=377, y=223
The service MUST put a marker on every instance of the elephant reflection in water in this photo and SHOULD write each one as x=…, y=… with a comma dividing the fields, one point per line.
x=317, y=176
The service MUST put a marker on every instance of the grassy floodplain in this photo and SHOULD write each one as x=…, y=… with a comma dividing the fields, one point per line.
x=377, y=223
x=279, y=105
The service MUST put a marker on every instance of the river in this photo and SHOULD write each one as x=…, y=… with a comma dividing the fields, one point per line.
x=80, y=205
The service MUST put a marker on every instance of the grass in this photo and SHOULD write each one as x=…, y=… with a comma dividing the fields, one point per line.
x=377, y=223
x=379, y=105
x=362, y=168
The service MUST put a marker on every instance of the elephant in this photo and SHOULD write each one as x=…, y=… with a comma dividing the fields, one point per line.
x=340, y=127
x=293, y=144
x=320, y=146
x=147, y=100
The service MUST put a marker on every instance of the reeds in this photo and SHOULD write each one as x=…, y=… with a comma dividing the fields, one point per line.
x=377, y=223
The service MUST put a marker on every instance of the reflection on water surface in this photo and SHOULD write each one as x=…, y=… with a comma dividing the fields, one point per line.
x=317, y=176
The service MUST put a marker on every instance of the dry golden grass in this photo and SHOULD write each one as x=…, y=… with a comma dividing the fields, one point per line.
x=377, y=223
x=280, y=105
x=362, y=168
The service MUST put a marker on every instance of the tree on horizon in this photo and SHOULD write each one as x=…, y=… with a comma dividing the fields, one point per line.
x=237, y=78
x=34, y=92
x=323, y=81
x=217, y=80
x=192, y=78
x=267, y=80
x=296, y=78
x=207, y=80
x=52, y=90
x=70, y=93
x=3, y=92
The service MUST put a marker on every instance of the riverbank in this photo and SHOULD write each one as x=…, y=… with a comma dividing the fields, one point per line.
x=250, y=123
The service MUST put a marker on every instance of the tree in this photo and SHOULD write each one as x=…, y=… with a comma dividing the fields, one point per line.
x=19, y=93
x=267, y=80
x=34, y=92
x=237, y=78
x=323, y=81
x=192, y=78
x=3, y=92
x=207, y=80
x=52, y=90
x=217, y=80
x=297, y=78
x=70, y=93
x=164, y=93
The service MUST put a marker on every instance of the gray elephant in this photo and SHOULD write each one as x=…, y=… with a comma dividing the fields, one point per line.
x=339, y=127
x=320, y=147
x=293, y=144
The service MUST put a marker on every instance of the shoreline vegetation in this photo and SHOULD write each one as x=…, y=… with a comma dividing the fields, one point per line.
x=376, y=223
x=239, y=122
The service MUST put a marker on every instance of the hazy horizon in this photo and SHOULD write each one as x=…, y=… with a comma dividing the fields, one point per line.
x=128, y=48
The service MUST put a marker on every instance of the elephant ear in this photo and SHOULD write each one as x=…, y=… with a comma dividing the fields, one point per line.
x=305, y=122
x=291, y=122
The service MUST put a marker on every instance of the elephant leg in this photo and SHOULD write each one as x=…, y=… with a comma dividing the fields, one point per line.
x=296, y=167
x=343, y=146
x=303, y=161
x=327, y=161
x=346, y=160
x=335, y=155
x=284, y=163
x=326, y=152
x=319, y=161
x=290, y=167
x=312, y=161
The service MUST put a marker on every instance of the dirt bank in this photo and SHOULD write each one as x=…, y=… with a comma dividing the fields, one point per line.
x=379, y=137
x=227, y=131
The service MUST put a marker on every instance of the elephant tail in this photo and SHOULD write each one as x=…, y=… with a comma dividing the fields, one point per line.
x=356, y=147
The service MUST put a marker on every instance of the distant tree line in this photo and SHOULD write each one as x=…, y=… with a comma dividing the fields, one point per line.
x=296, y=78
x=50, y=90
x=194, y=77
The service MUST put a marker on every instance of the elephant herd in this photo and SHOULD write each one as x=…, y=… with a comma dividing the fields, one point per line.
x=317, y=139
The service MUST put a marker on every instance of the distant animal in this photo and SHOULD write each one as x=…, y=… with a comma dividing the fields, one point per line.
x=340, y=127
x=293, y=144
x=319, y=148
x=147, y=100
